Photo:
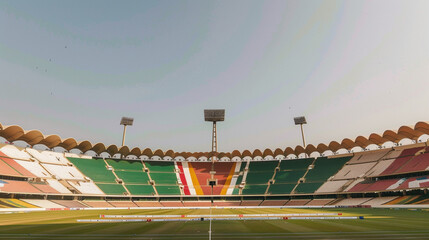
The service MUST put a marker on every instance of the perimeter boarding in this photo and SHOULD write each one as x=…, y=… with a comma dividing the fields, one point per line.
x=217, y=217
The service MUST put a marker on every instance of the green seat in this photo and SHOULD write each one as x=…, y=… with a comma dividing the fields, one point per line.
x=112, y=189
x=164, y=178
x=254, y=189
x=281, y=188
x=263, y=166
x=325, y=168
x=168, y=189
x=129, y=165
x=258, y=177
x=160, y=166
x=289, y=176
x=133, y=177
x=140, y=189
x=94, y=169
x=308, y=187
x=296, y=164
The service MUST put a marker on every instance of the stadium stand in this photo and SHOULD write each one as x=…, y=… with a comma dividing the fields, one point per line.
x=378, y=201
x=13, y=186
x=250, y=202
x=320, y=202
x=226, y=203
x=258, y=177
x=297, y=202
x=98, y=204
x=122, y=204
x=274, y=202
x=42, y=203
x=15, y=203
x=148, y=204
x=197, y=203
x=69, y=203
x=171, y=203
x=419, y=199
x=164, y=177
x=323, y=169
x=351, y=201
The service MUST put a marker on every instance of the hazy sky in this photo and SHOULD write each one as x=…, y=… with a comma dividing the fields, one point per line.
x=74, y=68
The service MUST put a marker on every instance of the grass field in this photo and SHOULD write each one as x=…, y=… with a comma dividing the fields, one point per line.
x=378, y=224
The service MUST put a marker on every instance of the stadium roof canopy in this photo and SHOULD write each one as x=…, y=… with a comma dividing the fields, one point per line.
x=32, y=137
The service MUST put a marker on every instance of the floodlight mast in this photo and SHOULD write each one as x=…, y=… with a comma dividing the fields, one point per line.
x=301, y=121
x=213, y=115
x=126, y=121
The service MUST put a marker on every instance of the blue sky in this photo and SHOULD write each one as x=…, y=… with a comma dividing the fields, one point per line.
x=74, y=68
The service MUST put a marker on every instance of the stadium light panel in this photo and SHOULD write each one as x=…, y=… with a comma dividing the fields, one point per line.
x=300, y=120
x=127, y=121
x=214, y=115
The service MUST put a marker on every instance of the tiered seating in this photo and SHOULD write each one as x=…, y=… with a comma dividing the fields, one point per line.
x=15, y=203
x=320, y=202
x=98, y=204
x=391, y=184
x=35, y=168
x=69, y=203
x=250, y=202
x=274, y=202
x=226, y=203
x=44, y=187
x=9, y=162
x=14, y=152
x=372, y=156
x=122, y=204
x=164, y=177
x=96, y=169
x=148, y=204
x=198, y=174
x=421, y=199
x=378, y=201
x=258, y=176
x=352, y=201
x=42, y=203
x=90, y=187
x=332, y=186
x=403, y=159
x=17, y=187
x=354, y=171
x=44, y=157
x=290, y=172
x=58, y=186
x=64, y=172
x=297, y=202
x=415, y=182
x=171, y=203
x=323, y=169
x=417, y=163
x=380, y=167
x=6, y=169
x=135, y=179
x=197, y=203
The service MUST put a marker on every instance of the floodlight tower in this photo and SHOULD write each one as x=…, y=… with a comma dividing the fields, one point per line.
x=126, y=121
x=214, y=115
x=301, y=121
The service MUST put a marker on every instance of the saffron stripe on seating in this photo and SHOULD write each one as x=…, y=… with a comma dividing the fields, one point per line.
x=198, y=189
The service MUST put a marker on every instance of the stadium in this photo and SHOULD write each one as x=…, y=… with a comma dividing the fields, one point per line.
x=351, y=181
x=214, y=98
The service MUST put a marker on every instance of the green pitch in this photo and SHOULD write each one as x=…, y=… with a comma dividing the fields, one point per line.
x=378, y=224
